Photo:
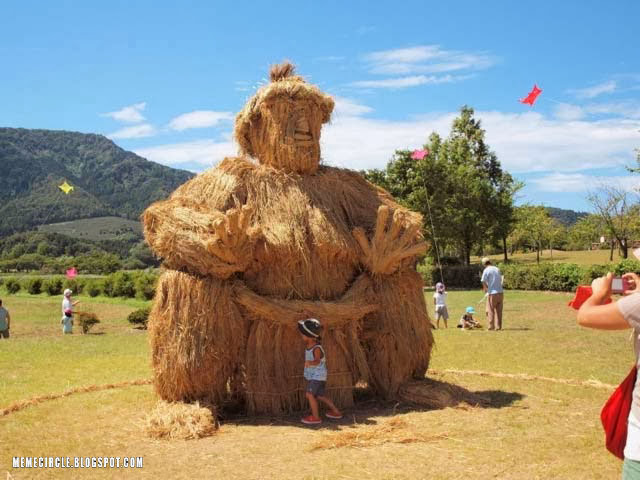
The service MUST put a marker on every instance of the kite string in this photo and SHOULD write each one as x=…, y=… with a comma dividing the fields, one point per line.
x=433, y=229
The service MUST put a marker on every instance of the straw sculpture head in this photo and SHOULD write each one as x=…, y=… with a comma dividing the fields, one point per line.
x=280, y=125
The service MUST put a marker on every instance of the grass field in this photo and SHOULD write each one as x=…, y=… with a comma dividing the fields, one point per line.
x=528, y=429
x=99, y=228
x=581, y=257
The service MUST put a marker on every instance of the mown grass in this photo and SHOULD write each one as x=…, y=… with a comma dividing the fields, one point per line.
x=580, y=257
x=531, y=429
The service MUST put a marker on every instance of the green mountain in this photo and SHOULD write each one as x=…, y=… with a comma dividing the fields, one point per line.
x=107, y=180
x=565, y=217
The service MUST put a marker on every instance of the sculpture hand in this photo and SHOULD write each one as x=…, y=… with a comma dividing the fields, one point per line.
x=396, y=238
x=233, y=239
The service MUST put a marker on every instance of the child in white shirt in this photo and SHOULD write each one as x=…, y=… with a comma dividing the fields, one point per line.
x=440, y=302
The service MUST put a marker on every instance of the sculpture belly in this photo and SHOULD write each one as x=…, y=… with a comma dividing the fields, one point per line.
x=321, y=272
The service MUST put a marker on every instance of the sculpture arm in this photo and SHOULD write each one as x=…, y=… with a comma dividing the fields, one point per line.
x=205, y=243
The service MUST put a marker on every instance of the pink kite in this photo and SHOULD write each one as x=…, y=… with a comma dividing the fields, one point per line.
x=419, y=154
x=72, y=272
x=533, y=94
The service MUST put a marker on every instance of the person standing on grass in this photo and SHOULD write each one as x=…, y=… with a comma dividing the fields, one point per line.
x=315, y=372
x=492, y=285
x=620, y=315
x=440, y=302
x=5, y=322
x=67, y=311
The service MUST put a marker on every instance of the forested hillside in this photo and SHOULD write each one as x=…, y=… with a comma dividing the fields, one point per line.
x=107, y=180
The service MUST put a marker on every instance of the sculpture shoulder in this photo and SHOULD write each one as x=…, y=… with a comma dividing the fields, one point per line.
x=218, y=187
x=366, y=192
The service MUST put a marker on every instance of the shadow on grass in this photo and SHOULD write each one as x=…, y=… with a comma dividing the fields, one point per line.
x=414, y=396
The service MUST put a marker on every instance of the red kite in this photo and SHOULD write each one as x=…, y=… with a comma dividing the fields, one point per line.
x=419, y=154
x=533, y=94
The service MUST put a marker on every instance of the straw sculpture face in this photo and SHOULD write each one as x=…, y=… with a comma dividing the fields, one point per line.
x=281, y=124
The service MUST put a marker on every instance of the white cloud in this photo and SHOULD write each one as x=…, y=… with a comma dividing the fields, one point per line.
x=130, y=114
x=203, y=153
x=627, y=109
x=404, y=55
x=404, y=82
x=425, y=59
x=527, y=142
x=199, y=119
x=580, y=182
x=566, y=111
x=592, y=92
x=348, y=107
x=136, y=131
x=330, y=58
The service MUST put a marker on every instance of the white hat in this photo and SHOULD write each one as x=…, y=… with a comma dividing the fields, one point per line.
x=67, y=292
x=485, y=260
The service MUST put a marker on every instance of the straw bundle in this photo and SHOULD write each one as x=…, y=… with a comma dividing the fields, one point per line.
x=251, y=248
x=180, y=421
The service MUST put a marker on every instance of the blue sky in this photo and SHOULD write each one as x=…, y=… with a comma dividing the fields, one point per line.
x=166, y=79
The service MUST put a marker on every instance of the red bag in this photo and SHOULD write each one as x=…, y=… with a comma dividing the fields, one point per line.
x=615, y=413
x=583, y=292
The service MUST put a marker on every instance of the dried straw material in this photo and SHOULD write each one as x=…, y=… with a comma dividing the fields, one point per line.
x=22, y=404
x=395, y=430
x=197, y=337
x=250, y=248
x=180, y=421
x=280, y=125
x=525, y=376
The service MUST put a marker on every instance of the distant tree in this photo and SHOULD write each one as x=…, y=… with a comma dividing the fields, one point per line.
x=585, y=232
x=533, y=227
x=618, y=212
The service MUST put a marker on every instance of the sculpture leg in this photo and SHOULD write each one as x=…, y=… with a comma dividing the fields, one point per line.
x=398, y=337
x=197, y=337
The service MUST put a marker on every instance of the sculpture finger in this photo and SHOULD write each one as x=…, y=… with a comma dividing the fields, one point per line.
x=381, y=223
x=361, y=237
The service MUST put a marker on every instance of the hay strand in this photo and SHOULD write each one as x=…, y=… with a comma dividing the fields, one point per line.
x=395, y=430
x=22, y=404
x=525, y=376
x=180, y=421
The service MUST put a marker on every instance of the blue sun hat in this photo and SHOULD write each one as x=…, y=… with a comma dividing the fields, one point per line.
x=470, y=310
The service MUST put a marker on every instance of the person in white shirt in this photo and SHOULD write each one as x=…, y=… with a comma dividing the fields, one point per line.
x=440, y=302
x=492, y=285
x=67, y=312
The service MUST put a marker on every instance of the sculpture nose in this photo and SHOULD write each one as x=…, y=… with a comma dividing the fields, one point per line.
x=298, y=130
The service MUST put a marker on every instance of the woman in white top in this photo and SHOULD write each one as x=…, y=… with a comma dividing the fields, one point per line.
x=619, y=315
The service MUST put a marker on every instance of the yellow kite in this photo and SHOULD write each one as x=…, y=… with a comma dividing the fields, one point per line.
x=66, y=188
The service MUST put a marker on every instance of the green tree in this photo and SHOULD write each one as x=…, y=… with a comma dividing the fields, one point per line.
x=533, y=227
x=459, y=187
x=585, y=232
x=618, y=212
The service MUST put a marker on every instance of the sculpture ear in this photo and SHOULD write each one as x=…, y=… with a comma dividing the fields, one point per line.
x=327, y=108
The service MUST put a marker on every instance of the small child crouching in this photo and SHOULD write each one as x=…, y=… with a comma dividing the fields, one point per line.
x=467, y=321
x=315, y=372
